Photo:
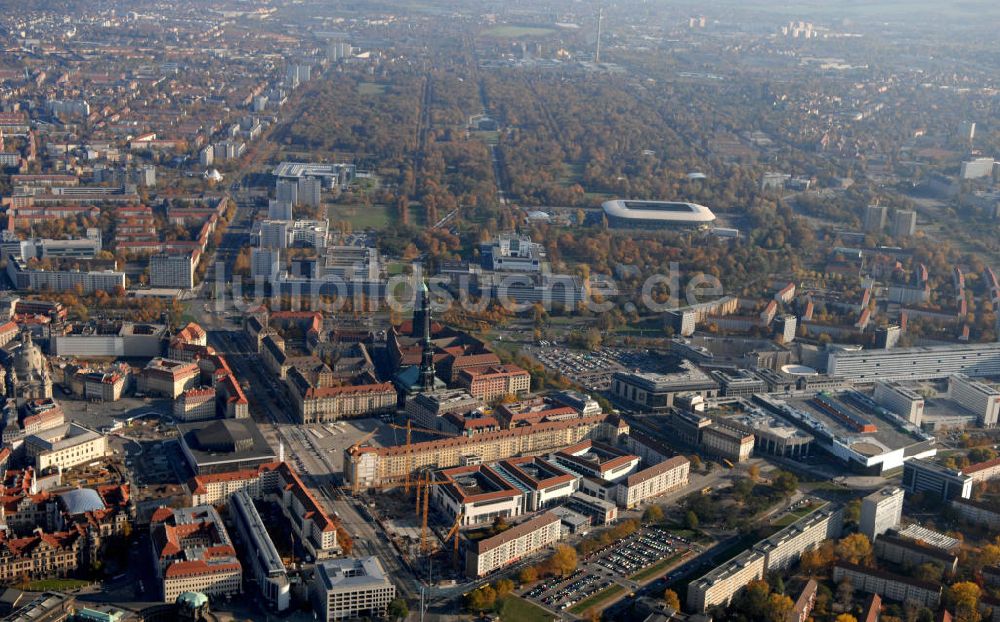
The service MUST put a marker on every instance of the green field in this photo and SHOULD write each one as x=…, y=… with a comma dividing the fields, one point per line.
x=54, y=585
x=360, y=217
x=656, y=569
x=371, y=88
x=517, y=31
x=612, y=591
x=520, y=610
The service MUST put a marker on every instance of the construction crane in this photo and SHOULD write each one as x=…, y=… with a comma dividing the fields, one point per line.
x=453, y=532
x=424, y=482
x=409, y=440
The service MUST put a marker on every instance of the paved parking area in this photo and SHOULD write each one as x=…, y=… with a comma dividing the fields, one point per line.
x=593, y=370
x=612, y=564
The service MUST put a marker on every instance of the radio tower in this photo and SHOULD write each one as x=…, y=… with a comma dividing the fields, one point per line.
x=600, y=20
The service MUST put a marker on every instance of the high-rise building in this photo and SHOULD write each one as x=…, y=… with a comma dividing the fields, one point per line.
x=173, y=271
x=310, y=191
x=881, y=511
x=887, y=337
x=875, y=216
x=279, y=210
x=904, y=223
x=287, y=190
x=274, y=234
x=265, y=263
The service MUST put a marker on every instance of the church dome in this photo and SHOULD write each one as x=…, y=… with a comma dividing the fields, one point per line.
x=29, y=360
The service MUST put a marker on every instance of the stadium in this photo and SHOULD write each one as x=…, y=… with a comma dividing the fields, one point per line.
x=657, y=214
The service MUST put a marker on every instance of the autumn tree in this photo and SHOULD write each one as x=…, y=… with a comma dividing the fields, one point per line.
x=563, y=561
x=527, y=575
x=964, y=597
x=671, y=599
x=653, y=514
x=855, y=549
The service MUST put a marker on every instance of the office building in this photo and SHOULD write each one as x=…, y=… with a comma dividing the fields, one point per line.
x=493, y=382
x=542, y=482
x=881, y=511
x=655, y=392
x=192, y=552
x=887, y=585
x=174, y=271
x=978, y=398
x=477, y=493
x=900, y=400
x=351, y=588
x=904, y=223
x=931, y=478
x=920, y=363
x=875, y=216
x=513, y=253
x=65, y=446
x=517, y=542
x=267, y=569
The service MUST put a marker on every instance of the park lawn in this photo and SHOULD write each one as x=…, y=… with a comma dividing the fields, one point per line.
x=53, y=585
x=516, y=608
x=517, y=31
x=371, y=88
x=656, y=569
x=612, y=591
x=360, y=217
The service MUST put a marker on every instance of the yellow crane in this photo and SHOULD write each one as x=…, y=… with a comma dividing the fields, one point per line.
x=409, y=427
x=453, y=532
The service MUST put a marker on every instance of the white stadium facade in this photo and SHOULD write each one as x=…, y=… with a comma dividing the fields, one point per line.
x=657, y=214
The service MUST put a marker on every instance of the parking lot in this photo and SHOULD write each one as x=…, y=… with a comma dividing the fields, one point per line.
x=614, y=563
x=593, y=370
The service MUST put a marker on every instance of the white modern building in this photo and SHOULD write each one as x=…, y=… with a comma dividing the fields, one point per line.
x=657, y=214
x=351, y=588
x=901, y=400
x=881, y=511
x=267, y=569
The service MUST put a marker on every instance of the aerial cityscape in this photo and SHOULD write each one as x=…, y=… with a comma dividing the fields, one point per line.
x=454, y=310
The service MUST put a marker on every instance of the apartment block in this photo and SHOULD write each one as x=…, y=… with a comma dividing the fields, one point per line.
x=486, y=555
x=720, y=585
x=887, y=585
x=911, y=553
x=667, y=476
